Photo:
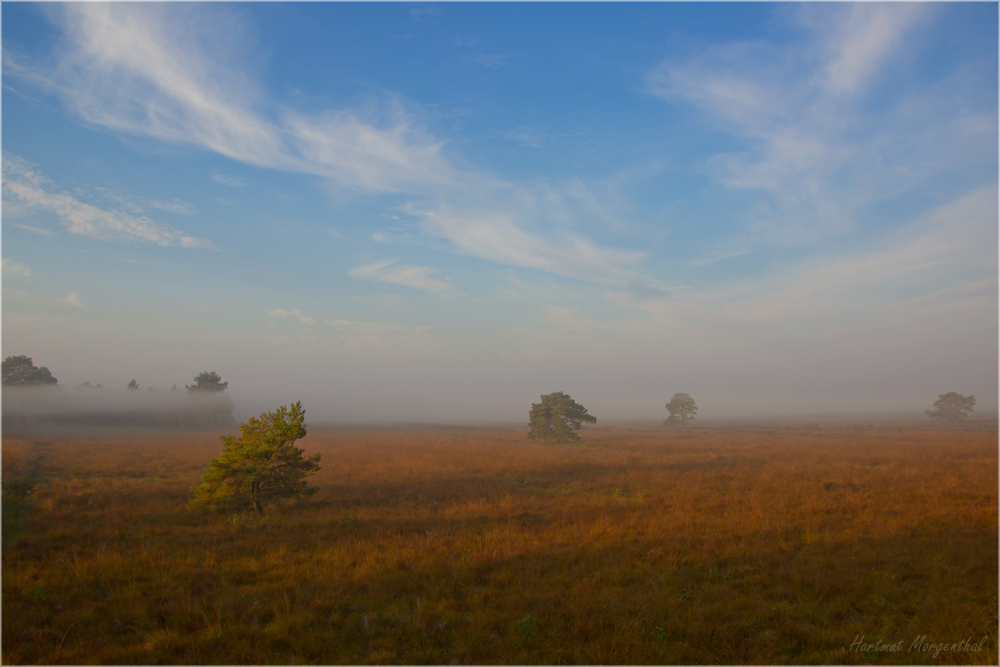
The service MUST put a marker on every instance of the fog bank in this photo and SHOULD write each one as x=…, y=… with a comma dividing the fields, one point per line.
x=29, y=407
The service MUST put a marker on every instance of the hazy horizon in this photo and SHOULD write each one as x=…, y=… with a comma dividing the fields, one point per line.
x=67, y=402
x=438, y=213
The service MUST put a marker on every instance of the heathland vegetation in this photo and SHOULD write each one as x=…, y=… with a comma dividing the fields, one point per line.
x=462, y=545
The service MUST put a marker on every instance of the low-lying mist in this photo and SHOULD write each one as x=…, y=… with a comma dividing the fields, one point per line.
x=31, y=408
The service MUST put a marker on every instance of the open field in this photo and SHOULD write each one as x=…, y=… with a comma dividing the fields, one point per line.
x=465, y=545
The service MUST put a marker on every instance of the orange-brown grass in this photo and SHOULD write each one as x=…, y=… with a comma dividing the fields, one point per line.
x=476, y=546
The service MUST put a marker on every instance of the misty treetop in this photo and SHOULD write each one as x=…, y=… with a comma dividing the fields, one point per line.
x=952, y=407
x=556, y=417
x=204, y=405
x=21, y=370
x=682, y=409
x=260, y=466
x=207, y=381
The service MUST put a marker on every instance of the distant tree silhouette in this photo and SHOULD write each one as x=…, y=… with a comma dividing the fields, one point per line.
x=209, y=390
x=952, y=407
x=133, y=384
x=21, y=370
x=682, y=410
x=206, y=381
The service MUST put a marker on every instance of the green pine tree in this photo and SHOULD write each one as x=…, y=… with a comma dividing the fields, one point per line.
x=260, y=466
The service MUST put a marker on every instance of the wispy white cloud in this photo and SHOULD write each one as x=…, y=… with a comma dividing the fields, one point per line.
x=360, y=156
x=494, y=235
x=727, y=250
x=418, y=277
x=72, y=300
x=424, y=13
x=370, y=334
x=128, y=260
x=140, y=70
x=985, y=290
x=149, y=70
x=31, y=188
x=953, y=242
x=137, y=206
x=492, y=60
x=15, y=270
x=226, y=179
x=527, y=136
x=297, y=313
x=812, y=152
x=860, y=39
x=173, y=206
x=31, y=228
x=146, y=70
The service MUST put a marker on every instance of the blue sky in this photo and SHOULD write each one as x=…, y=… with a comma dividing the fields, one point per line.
x=442, y=211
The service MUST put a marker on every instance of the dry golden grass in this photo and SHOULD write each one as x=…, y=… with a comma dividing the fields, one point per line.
x=477, y=546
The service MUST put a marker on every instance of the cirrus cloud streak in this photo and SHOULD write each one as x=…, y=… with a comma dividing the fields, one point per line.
x=150, y=70
x=32, y=189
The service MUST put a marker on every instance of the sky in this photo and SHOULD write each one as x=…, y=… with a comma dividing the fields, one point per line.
x=440, y=212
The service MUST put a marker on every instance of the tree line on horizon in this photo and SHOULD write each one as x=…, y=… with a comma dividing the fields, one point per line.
x=555, y=419
x=208, y=407
x=21, y=371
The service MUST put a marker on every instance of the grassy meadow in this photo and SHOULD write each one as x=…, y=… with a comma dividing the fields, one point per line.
x=476, y=546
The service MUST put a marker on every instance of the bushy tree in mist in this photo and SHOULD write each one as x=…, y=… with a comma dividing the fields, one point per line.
x=260, y=466
x=213, y=407
x=208, y=390
x=21, y=370
x=132, y=384
x=682, y=410
x=555, y=419
x=206, y=381
x=952, y=407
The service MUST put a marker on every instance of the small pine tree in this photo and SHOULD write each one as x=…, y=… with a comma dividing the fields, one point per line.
x=260, y=466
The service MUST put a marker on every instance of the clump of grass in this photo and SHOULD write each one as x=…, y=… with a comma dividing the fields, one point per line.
x=526, y=628
x=722, y=547
x=19, y=468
